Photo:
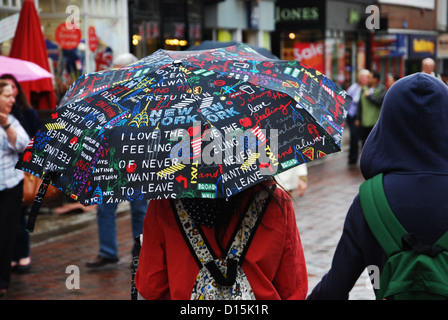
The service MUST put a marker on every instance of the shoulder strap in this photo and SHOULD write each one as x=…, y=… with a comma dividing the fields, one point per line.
x=246, y=231
x=380, y=218
x=383, y=223
x=443, y=242
x=197, y=242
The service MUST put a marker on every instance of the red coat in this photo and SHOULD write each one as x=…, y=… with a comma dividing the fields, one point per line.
x=274, y=263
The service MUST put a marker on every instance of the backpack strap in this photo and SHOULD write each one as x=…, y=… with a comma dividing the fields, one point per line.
x=384, y=225
x=443, y=242
x=193, y=235
x=243, y=235
x=236, y=250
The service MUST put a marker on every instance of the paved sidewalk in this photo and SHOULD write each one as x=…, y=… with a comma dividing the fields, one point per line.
x=47, y=278
x=320, y=216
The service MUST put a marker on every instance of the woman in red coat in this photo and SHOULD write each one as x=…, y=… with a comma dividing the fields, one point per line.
x=274, y=263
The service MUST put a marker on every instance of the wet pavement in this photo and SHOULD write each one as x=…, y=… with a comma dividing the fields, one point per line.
x=61, y=245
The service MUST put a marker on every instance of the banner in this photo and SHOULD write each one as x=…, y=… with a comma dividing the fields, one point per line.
x=310, y=53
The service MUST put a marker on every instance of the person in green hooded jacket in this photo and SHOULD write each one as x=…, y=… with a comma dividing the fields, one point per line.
x=370, y=105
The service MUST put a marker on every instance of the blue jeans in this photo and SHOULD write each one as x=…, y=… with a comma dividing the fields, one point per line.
x=107, y=229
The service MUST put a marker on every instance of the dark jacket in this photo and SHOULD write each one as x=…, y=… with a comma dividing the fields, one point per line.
x=409, y=145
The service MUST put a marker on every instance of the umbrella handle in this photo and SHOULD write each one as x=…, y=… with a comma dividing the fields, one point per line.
x=38, y=202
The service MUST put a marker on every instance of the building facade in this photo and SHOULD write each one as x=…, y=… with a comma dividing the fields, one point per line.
x=250, y=21
x=326, y=34
x=411, y=36
x=81, y=35
x=181, y=24
x=331, y=35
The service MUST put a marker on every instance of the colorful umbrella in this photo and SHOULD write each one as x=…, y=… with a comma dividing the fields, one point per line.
x=211, y=44
x=29, y=44
x=186, y=124
x=22, y=70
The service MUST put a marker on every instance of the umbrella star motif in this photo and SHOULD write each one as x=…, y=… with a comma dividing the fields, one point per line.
x=175, y=124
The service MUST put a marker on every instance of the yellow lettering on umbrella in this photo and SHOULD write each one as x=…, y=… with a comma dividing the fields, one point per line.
x=251, y=160
x=55, y=126
x=165, y=172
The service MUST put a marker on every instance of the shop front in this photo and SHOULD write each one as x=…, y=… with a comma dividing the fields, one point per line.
x=323, y=34
x=168, y=24
x=248, y=21
x=81, y=36
x=442, y=53
x=420, y=46
x=388, y=54
x=87, y=33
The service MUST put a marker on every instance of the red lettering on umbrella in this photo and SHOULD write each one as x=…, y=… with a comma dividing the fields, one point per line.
x=181, y=179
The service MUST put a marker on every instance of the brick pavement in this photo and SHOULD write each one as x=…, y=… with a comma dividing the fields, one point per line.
x=47, y=278
x=320, y=216
x=321, y=213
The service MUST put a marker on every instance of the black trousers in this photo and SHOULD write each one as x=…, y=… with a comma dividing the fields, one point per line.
x=10, y=206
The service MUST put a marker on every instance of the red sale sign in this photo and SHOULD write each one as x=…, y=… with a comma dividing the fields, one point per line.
x=67, y=38
x=310, y=53
x=93, y=39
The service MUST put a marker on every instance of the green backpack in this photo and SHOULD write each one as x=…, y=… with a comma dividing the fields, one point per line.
x=413, y=271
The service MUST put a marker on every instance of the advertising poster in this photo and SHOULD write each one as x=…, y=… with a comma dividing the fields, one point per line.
x=310, y=53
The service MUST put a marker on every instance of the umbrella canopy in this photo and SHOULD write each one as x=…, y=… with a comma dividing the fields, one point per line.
x=29, y=44
x=22, y=70
x=186, y=124
x=210, y=44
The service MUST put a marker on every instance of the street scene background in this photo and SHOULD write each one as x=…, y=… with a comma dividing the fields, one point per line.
x=339, y=38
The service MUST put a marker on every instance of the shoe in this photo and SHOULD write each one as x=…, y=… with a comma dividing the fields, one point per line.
x=100, y=261
x=24, y=265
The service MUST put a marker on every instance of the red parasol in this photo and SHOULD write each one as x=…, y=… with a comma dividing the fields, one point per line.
x=29, y=44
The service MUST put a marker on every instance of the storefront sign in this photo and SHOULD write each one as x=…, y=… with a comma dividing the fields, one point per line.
x=389, y=45
x=303, y=13
x=297, y=14
x=421, y=46
x=310, y=53
x=353, y=16
x=67, y=38
x=93, y=39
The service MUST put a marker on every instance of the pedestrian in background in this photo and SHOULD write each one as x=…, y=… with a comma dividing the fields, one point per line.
x=370, y=105
x=13, y=140
x=355, y=91
x=29, y=120
x=409, y=145
x=429, y=67
x=274, y=263
x=391, y=79
x=106, y=212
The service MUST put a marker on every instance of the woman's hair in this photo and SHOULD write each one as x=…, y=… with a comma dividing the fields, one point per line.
x=21, y=99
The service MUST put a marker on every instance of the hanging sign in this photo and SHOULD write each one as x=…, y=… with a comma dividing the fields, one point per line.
x=67, y=38
x=93, y=39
